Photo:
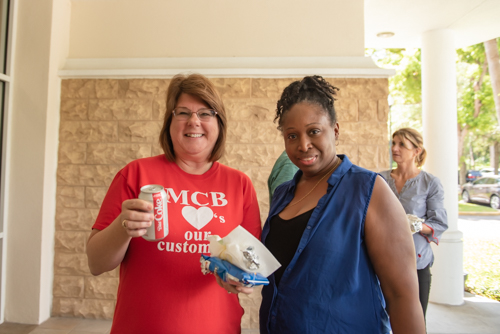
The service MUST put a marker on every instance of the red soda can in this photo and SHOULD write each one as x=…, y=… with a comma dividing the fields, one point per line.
x=156, y=194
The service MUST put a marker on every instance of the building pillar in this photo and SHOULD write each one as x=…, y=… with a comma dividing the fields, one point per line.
x=439, y=118
x=41, y=44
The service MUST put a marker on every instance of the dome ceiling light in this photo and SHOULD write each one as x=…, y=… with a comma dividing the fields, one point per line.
x=385, y=34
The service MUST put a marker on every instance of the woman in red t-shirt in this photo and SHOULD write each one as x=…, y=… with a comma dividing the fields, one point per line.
x=162, y=289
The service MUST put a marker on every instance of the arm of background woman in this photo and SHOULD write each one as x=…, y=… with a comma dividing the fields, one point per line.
x=283, y=170
x=392, y=253
x=437, y=220
x=106, y=248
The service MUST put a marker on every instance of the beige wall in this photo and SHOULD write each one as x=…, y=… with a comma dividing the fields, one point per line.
x=49, y=32
x=222, y=28
x=106, y=123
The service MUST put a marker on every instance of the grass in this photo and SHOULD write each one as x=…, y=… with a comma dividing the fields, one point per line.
x=481, y=259
x=482, y=264
x=472, y=207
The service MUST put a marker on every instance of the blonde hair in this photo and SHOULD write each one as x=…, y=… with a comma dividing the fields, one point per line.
x=414, y=137
x=199, y=86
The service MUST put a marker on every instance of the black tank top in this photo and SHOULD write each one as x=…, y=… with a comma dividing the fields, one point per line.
x=284, y=238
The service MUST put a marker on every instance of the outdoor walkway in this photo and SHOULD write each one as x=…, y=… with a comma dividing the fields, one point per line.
x=478, y=315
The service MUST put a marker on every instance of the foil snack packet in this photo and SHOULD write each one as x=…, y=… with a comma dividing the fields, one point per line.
x=228, y=272
x=239, y=257
x=415, y=223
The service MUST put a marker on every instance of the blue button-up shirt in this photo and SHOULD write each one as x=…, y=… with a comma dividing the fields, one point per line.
x=330, y=285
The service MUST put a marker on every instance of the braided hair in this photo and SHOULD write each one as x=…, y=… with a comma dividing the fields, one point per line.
x=312, y=89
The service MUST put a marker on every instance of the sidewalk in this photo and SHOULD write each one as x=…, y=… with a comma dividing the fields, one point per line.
x=477, y=315
x=70, y=326
x=472, y=213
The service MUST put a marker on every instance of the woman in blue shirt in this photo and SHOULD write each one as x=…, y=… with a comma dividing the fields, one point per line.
x=328, y=227
x=422, y=195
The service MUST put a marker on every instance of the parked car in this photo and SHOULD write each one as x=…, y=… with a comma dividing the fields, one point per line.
x=488, y=171
x=472, y=175
x=483, y=190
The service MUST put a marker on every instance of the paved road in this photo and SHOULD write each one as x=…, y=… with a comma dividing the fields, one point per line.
x=484, y=227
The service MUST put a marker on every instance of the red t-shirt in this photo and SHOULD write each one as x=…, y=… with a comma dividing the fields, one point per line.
x=162, y=289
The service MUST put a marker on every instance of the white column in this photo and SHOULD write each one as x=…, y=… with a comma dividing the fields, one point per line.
x=40, y=48
x=439, y=94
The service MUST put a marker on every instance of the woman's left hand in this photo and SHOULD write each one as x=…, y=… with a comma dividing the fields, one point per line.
x=234, y=287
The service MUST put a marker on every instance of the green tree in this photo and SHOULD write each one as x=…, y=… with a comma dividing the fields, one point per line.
x=475, y=107
x=405, y=86
x=474, y=103
x=493, y=59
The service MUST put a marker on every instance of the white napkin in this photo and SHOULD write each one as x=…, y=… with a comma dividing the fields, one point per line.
x=415, y=223
x=245, y=251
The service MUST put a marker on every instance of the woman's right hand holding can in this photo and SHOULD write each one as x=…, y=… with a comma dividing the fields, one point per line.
x=136, y=217
x=107, y=248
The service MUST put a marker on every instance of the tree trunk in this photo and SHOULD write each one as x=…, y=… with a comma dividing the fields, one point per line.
x=463, y=173
x=491, y=49
x=471, y=157
x=494, y=157
x=462, y=134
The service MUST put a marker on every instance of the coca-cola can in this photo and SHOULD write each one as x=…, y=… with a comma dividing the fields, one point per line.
x=156, y=194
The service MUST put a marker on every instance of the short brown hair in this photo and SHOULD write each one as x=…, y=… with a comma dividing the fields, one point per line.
x=199, y=86
x=417, y=141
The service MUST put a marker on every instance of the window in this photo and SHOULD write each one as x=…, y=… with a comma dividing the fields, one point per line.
x=4, y=22
x=480, y=181
x=491, y=181
x=5, y=80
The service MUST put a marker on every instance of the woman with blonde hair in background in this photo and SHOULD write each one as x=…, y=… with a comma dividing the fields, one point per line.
x=422, y=195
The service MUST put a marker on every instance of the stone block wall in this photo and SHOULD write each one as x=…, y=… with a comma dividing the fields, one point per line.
x=106, y=123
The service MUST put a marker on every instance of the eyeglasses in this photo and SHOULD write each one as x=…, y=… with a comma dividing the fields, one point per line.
x=204, y=115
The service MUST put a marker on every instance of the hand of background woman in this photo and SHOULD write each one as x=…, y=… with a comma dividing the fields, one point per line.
x=232, y=287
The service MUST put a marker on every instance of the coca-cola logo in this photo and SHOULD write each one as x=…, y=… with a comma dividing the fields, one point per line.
x=158, y=210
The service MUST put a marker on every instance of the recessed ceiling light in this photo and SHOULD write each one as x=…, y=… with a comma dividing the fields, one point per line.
x=385, y=34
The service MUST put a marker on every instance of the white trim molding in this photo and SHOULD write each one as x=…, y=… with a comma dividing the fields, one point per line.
x=258, y=67
x=4, y=77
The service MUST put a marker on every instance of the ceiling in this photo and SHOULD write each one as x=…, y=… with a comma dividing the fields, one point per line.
x=474, y=21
